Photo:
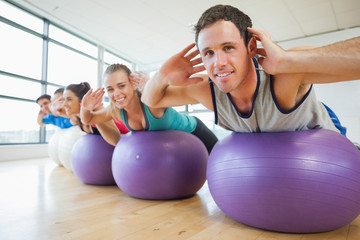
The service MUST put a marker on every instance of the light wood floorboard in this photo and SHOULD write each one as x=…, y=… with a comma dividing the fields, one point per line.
x=40, y=200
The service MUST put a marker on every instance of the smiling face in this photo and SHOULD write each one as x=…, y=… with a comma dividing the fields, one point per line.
x=119, y=88
x=224, y=54
x=72, y=103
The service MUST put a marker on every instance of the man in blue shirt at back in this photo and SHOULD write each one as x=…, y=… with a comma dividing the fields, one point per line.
x=46, y=117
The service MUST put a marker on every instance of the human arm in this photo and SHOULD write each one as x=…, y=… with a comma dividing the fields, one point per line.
x=333, y=63
x=109, y=132
x=175, y=83
x=57, y=107
x=40, y=118
x=90, y=104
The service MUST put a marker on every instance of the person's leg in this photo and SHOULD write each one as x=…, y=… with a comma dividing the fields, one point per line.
x=205, y=135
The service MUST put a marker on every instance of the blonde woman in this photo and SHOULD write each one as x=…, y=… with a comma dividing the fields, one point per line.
x=126, y=105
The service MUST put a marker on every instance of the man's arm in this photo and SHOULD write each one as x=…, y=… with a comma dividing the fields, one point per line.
x=339, y=59
x=175, y=83
x=40, y=118
x=332, y=63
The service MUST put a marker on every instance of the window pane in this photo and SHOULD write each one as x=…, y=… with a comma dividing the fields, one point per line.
x=21, y=52
x=21, y=17
x=110, y=58
x=20, y=88
x=208, y=119
x=51, y=90
x=50, y=130
x=18, y=122
x=198, y=106
x=180, y=108
x=72, y=41
x=66, y=67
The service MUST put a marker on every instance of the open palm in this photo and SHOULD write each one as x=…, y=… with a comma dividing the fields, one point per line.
x=180, y=67
x=93, y=100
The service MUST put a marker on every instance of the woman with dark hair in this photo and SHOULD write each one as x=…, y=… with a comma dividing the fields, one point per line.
x=72, y=99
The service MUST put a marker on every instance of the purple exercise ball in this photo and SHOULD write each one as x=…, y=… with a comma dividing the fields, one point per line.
x=91, y=159
x=297, y=182
x=160, y=164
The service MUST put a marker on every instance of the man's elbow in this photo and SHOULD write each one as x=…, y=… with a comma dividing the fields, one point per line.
x=149, y=101
x=146, y=100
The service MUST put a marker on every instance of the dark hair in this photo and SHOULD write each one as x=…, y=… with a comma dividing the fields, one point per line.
x=227, y=13
x=79, y=89
x=47, y=96
x=59, y=90
x=117, y=67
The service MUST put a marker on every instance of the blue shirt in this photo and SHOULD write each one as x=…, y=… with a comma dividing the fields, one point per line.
x=61, y=122
x=335, y=120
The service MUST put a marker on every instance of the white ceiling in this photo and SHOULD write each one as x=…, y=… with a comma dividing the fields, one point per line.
x=147, y=32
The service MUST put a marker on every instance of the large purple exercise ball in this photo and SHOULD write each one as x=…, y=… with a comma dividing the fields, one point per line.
x=297, y=182
x=91, y=160
x=160, y=164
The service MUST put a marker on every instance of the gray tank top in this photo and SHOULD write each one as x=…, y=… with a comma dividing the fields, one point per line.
x=266, y=115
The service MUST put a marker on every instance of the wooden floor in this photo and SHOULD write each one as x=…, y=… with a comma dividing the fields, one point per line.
x=40, y=200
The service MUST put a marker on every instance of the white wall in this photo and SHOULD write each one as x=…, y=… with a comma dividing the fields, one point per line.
x=322, y=39
x=343, y=98
x=17, y=152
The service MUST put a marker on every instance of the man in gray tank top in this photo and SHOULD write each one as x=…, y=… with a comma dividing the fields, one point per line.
x=251, y=89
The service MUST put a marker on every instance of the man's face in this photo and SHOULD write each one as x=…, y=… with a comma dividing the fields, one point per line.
x=44, y=104
x=224, y=55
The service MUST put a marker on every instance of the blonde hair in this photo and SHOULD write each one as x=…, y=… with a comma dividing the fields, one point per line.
x=116, y=67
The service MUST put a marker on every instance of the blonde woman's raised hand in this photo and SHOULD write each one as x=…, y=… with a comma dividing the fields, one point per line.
x=138, y=79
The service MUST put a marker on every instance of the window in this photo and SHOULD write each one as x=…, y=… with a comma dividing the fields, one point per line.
x=18, y=124
x=33, y=63
x=66, y=67
x=207, y=118
x=20, y=88
x=180, y=108
x=21, y=17
x=21, y=52
x=110, y=58
x=51, y=89
x=68, y=39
